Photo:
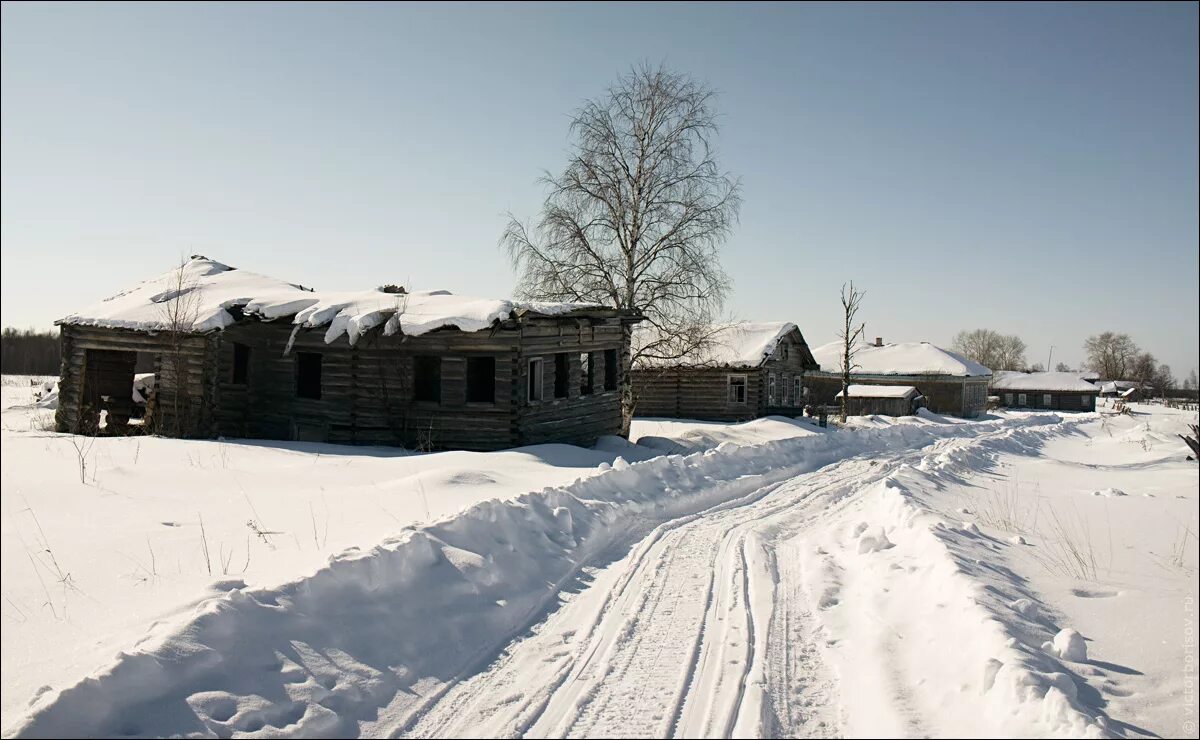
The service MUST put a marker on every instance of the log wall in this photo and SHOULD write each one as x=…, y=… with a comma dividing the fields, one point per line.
x=703, y=392
x=1059, y=400
x=965, y=397
x=367, y=390
x=184, y=389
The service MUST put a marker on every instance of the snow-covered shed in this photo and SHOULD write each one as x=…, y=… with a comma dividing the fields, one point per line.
x=885, y=400
x=238, y=354
x=744, y=370
x=950, y=383
x=1045, y=390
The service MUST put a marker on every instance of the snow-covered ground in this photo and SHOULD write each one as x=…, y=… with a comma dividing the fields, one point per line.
x=158, y=525
x=902, y=577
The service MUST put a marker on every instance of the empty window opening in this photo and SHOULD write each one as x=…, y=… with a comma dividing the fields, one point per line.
x=562, y=375
x=481, y=380
x=587, y=374
x=308, y=375
x=610, y=369
x=241, y=363
x=535, y=380
x=427, y=378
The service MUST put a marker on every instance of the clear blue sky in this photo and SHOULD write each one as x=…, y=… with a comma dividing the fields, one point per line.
x=1030, y=168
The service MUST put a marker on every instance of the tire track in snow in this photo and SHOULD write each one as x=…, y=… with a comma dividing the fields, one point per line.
x=648, y=652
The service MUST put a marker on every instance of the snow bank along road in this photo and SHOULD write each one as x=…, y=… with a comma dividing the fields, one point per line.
x=795, y=587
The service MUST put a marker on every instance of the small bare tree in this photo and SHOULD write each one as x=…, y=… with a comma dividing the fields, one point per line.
x=637, y=218
x=850, y=335
x=178, y=313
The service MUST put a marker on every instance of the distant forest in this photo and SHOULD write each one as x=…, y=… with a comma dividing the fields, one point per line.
x=29, y=352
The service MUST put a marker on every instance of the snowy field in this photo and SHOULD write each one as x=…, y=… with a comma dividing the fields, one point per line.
x=1024, y=574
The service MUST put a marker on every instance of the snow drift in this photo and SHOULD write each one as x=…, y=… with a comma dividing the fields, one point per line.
x=371, y=639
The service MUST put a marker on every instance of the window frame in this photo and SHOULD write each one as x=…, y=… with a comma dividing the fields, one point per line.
x=771, y=389
x=1008, y=399
x=1048, y=400
x=729, y=386
x=1022, y=399
x=797, y=390
x=531, y=397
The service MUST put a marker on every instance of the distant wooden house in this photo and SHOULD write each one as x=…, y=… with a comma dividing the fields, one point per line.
x=749, y=369
x=1128, y=390
x=884, y=400
x=950, y=383
x=237, y=354
x=1057, y=391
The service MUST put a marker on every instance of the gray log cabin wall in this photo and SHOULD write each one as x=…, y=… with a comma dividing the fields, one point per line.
x=367, y=392
x=703, y=392
x=1055, y=400
x=185, y=385
x=965, y=397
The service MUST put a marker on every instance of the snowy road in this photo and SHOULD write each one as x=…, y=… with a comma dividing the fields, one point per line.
x=825, y=585
x=703, y=630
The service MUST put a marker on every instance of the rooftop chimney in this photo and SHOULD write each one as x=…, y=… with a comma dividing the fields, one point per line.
x=878, y=341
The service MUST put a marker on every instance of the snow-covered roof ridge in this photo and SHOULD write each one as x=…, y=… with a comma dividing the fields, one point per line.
x=735, y=344
x=1014, y=380
x=206, y=290
x=900, y=358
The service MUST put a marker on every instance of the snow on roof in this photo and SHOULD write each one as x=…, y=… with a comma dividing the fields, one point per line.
x=1089, y=375
x=881, y=391
x=205, y=290
x=900, y=358
x=741, y=344
x=1010, y=380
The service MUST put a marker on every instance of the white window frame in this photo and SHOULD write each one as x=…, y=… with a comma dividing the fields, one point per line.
x=1008, y=399
x=797, y=390
x=536, y=371
x=729, y=386
x=1021, y=400
x=784, y=386
x=771, y=389
x=1047, y=400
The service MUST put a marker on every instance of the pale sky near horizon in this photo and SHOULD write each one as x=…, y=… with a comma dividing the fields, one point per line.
x=1030, y=168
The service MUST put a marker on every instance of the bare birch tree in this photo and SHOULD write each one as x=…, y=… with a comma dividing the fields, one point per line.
x=178, y=312
x=1111, y=354
x=991, y=349
x=637, y=218
x=850, y=335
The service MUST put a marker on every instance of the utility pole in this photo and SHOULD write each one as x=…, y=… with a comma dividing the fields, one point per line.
x=1049, y=357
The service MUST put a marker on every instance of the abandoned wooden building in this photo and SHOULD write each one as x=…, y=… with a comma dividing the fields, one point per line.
x=950, y=383
x=884, y=400
x=237, y=354
x=748, y=370
x=1058, y=391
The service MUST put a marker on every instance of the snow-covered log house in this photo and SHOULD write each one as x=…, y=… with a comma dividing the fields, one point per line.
x=237, y=354
x=746, y=370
